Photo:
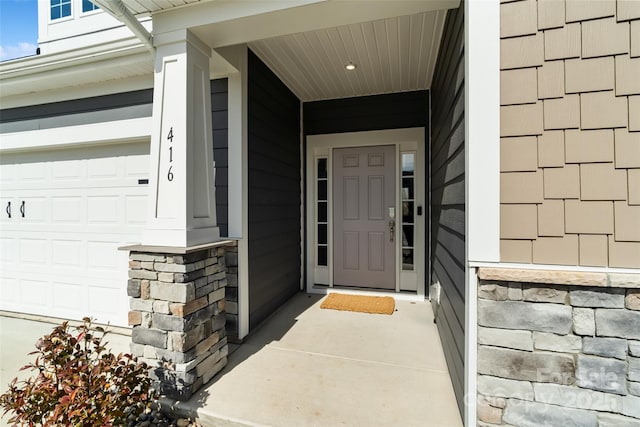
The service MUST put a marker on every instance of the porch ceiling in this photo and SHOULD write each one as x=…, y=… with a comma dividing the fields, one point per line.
x=392, y=55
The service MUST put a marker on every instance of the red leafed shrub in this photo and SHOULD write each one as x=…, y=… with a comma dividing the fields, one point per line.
x=78, y=382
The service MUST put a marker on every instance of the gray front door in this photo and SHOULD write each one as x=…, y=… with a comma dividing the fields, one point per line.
x=363, y=198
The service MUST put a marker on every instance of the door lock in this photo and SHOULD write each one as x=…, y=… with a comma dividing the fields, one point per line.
x=392, y=229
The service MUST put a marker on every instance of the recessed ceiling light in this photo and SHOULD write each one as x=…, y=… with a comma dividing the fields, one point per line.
x=350, y=66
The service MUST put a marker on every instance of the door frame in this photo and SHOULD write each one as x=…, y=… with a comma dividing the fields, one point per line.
x=319, y=279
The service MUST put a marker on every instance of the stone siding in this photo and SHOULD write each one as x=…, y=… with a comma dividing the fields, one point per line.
x=177, y=304
x=552, y=354
x=231, y=259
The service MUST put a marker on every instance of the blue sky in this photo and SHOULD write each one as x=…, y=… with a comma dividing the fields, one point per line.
x=18, y=28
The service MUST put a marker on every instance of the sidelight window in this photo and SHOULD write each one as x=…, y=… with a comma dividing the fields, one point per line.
x=322, y=206
x=408, y=210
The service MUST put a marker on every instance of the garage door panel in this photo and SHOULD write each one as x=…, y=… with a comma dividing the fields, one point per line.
x=34, y=251
x=67, y=172
x=103, y=255
x=69, y=299
x=33, y=173
x=135, y=210
x=81, y=204
x=104, y=168
x=35, y=294
x=68, y=253
x=103, y=210
x=9, y=292
x=8, y=249
x=69, y=210
x=32, y=210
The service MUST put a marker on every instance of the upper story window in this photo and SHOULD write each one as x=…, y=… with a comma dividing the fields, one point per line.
x=87, y=6
x=60, y=9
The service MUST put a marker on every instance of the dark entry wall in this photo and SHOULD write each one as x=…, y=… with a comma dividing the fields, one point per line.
x=375, y=112
x=274, y=192
x=448, y=195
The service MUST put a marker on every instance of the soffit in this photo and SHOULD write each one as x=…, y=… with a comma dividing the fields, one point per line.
x=394, y=54
x=152, y=6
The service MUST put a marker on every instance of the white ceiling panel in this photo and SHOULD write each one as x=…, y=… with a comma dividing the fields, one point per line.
x=392, y=55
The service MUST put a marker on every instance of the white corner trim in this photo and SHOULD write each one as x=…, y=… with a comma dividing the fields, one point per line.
x=471, y=348
x=90, y=134
x=482, y=129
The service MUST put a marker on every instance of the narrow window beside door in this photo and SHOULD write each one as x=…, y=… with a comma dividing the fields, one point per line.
x=408, y=210
x=321, y=212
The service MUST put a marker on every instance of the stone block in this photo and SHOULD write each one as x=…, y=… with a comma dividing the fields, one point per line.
x=526, y=366
x=533, y=414
x=137, y=350
x=205, y=290
x=605, y=347
x=207, y=364
x=560, y=343
x=146, y=319
x=231, y=259
x=232, y=279
x=134, y=265
x=613, y=420
x=488, y=413
x=493, y=291
x=143, y=274
x=138, y=256
x=501, y=387
x=145, y=289
x=191, y=257
x=138, y=304
x=584, y=321
x=147, y=265
x=216, y=295
x=188, y=277
x=518, y=340
x=161, y=307
x=154, y=337
x=618, y=323
x=134, y=318
x=597, y=297
x=538, y=293
x=206, y=344
x=632, y=299
x=173, y=292
x=631, y=406
x=514, y=293
x=201, y=316
x=575, y=397
x=168, y=323
x=214, y=370
x=634, y=348
x=523, y=315
x=217, y=322
x=634, y=389
x=182, y=310
x=633, y=373
x=602, y=374
x=165, y=277
x=133, y=288
x=183, y=341
x=231, y=307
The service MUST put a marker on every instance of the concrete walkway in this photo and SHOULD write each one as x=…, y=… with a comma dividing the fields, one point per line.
x=310, y=367
x=313, y=367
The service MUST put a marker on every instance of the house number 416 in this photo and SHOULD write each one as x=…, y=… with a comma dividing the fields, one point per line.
x=170, y=139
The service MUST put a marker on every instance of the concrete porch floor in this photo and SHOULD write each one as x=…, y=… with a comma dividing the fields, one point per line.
x=309, y=367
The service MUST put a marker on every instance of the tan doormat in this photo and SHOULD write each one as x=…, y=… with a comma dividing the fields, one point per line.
x=359, y=303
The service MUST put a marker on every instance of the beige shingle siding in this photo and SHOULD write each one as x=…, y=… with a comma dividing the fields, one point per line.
x=570, y=128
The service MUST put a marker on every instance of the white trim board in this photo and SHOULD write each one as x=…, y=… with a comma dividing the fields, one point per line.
x=89, y=134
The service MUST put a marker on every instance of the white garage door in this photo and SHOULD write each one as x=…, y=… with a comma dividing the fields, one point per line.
x=64, y=214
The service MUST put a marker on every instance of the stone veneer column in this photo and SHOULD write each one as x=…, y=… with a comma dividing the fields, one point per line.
x=178, y=315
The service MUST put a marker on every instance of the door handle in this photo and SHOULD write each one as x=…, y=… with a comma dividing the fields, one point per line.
x=22, y=209
x=392, y=229
x=8, y=209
